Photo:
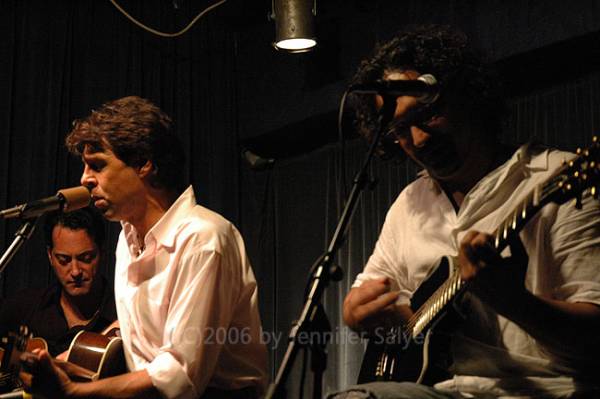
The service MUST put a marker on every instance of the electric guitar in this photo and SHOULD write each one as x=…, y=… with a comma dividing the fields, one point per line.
x=403, y=352
x=90, y=356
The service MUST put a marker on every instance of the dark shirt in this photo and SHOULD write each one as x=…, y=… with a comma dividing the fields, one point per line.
x=40, y=310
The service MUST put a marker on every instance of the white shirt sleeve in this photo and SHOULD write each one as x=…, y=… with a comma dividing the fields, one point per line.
x=385, y=260
x=200, y=311
x=575, y=243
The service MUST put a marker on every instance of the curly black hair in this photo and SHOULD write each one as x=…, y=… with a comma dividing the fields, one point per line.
x=462, y=72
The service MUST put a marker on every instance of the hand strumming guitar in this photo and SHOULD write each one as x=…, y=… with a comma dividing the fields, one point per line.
x=373, y=305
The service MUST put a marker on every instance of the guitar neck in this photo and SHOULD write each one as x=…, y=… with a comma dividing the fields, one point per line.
x=514, y=222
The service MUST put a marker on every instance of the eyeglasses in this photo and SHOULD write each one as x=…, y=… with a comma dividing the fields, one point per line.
x=419, y=117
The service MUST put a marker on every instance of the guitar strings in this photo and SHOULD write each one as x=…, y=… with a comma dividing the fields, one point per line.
x=436, y=300
x=454, y=283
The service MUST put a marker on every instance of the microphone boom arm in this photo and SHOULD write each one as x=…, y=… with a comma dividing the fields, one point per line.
x=22, y=235
x=312, y=317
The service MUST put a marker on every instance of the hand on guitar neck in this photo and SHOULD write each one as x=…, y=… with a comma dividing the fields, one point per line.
x=372, y=305
x=491, y=276
x=90, y=357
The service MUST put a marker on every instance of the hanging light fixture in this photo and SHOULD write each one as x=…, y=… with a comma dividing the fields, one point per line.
x=294, y=25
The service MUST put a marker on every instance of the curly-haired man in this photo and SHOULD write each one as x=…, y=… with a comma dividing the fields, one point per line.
x=532, y=315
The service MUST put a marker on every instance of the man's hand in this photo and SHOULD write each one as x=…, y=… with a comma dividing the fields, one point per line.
x=372, y=305
x=43, y=377
x=498, y=281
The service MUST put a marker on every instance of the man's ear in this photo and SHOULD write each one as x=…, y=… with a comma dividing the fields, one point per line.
x=146, y=169
x=49, y=252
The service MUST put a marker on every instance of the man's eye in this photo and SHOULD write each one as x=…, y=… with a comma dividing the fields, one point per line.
x=63, y=260
x=87, y=258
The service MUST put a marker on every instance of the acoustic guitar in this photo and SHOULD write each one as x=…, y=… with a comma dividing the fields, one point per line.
x=407, y=352
x=90, y=356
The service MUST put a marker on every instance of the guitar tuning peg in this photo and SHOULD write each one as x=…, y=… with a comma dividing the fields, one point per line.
x=594, y=139
x=578, y=152
x=594, y=192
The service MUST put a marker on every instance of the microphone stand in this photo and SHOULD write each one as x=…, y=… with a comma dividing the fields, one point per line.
x=313, y=321
x=23, y=234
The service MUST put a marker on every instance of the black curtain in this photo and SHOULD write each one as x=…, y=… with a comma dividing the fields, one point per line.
x=60, y=59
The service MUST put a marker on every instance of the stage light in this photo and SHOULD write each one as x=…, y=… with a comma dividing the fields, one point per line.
x=294, y=25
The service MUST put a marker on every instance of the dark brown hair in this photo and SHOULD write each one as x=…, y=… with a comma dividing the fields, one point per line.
x=137, y=131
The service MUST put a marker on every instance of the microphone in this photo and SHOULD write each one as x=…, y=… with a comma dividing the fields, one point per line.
x=425, y=88
x=65, y=200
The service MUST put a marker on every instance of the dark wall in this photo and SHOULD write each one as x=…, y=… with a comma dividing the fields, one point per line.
x=292, y=88
x=224, y=84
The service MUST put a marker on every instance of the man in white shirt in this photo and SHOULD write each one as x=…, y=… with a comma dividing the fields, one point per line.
x=533, y=318
x=185, y=293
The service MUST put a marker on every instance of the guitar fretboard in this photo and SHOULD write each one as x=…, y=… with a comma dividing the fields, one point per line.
x=559, y=187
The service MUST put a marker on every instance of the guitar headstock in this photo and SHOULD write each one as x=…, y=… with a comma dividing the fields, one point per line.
x=14, y=344
x=576, y=176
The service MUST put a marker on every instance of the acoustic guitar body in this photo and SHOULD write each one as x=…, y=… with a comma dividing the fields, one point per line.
x=399, y=356
x=101, y=354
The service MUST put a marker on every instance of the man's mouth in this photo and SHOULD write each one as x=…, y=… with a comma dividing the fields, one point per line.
x=79, y=282
x=438, y=156
x=99, y=202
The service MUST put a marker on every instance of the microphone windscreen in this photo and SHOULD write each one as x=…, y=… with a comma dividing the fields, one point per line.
x=75, y=198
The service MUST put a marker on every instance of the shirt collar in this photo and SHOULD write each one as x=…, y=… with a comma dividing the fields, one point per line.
x=527, y=158
x=163, y=231
x=536, y=163
x=52, y=298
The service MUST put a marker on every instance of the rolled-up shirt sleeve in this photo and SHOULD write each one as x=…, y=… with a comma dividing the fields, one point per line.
x=201, y=306
x=187, y=303
x=575, y=243
x=386, y=261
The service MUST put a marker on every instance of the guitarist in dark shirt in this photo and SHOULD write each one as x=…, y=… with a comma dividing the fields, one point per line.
x=532, y=315
x=81, y=299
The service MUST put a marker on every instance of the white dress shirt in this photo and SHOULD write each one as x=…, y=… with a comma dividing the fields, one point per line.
x=187, y=304
x=563, y=245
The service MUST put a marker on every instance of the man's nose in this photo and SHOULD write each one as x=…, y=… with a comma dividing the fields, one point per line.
x=87, y=178
x=76, y=270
